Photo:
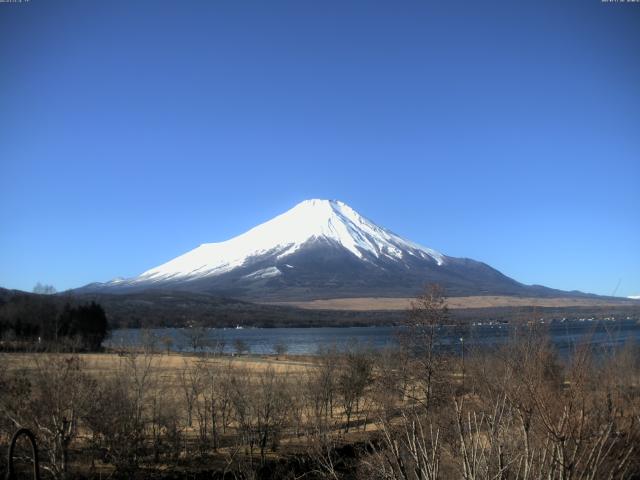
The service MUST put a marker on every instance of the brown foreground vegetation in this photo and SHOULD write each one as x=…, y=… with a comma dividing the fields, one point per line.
x=514, y=412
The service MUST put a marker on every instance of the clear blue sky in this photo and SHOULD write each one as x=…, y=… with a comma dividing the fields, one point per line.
x=505, y=131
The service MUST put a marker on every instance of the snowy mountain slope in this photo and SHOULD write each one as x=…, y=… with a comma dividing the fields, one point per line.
x=286, y=234
x=320, y=249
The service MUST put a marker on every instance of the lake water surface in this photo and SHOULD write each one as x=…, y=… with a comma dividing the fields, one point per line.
x=565, y=335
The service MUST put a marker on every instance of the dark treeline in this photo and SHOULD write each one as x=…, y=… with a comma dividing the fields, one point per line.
x=157, y=309
x=516, y=412
x=32, y=321
x=178, y=309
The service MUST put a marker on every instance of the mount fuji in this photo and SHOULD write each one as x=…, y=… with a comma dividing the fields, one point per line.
x=320, y=249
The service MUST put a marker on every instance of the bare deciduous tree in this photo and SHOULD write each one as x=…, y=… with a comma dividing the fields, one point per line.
x=196, y=337
x=280, y=348
x=240, y=346
x=353, y=379
x=56, y=397
x=44, y=289
x=428, y=313
x=191, y=379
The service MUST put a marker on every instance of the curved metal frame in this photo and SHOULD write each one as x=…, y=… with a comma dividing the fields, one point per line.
x=11, y=475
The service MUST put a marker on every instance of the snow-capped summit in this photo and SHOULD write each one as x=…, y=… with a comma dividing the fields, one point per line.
x=319, y=249
x=309, y=221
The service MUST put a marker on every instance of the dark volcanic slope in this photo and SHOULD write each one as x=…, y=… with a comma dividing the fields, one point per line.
x=324, y=270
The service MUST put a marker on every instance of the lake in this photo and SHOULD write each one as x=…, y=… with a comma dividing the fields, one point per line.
x=565, y=335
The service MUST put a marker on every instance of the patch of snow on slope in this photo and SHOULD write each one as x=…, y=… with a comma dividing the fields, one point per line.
x=264, y=273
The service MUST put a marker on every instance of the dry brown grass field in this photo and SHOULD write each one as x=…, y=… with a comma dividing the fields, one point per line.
x=163, y=364
x=489, y=301
x=183, y=384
